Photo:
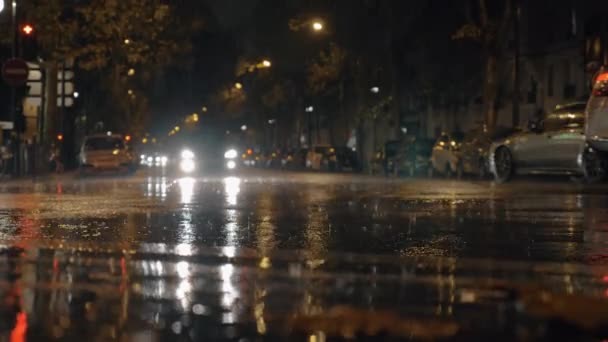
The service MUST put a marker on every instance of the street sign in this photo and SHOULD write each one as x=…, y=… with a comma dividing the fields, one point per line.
x=6, y=125
x=15, y=72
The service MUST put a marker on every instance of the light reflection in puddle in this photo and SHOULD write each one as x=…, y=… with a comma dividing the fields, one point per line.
x=232, y=187
x=229, y=292
x=186, y=188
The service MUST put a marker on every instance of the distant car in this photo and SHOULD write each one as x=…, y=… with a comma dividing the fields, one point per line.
x=445, y=156
x=105, y=153
x=321, y=157
x=554, y=145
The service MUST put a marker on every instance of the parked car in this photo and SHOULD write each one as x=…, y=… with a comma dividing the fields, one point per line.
x=553, y=145
x=445, y=156
x=407, y=156
x=105, y=153
x=321, y=157
x=347, y=159
x=596, y=129
x=474, y=151
x=417, y=158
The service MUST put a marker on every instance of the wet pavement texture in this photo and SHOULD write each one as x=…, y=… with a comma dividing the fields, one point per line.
x=302, y=256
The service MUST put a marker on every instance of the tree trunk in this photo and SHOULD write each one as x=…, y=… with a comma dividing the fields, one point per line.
x=490, y=92
x=50, y=111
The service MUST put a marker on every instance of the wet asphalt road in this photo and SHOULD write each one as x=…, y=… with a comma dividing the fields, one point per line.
x=300, y=256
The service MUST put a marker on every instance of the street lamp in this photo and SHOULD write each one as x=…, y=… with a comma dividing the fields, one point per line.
x=238, y=85
x=76, y=94
x=266, y=63
x=375, y=90
x=317, y=26
x=310, y=109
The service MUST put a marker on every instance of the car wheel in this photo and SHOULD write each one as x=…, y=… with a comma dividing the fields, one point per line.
x=594, y=166
x=504, y=165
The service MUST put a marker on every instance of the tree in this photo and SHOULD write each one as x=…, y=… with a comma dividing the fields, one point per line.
x=326, y=70
x=115, y=40
x=488, y=24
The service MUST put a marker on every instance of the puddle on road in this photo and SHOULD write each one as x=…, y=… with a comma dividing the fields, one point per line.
x=319, y=218
x=98, y=291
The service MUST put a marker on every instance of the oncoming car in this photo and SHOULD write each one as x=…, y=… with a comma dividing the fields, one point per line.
x=554, y=145
x=105, y=153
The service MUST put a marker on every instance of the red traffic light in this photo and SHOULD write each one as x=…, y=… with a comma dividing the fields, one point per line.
x=27, y=29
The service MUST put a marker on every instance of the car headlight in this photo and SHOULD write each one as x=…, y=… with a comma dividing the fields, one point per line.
x=231, y=165
x=187, y=165
x=187, y=154
x=230, y=154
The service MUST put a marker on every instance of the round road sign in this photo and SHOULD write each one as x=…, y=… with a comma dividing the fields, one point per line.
x=14, y=72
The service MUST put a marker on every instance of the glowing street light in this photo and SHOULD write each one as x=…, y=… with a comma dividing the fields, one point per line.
x=266, y=63
x=130, y=92
x=127, y=41
x=131, y=72
x=176, y=128
x=238, y=85
x=375, y=90
x=317, y=26
x=75, y=94
x=27, y=29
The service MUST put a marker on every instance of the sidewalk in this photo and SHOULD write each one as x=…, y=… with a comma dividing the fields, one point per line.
x=25, y=180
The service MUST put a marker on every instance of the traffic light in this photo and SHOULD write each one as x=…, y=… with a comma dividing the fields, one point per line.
x=27, y=29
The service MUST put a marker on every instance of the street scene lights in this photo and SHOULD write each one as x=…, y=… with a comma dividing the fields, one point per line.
x=317, y=26
x=266, y=63
x=27, y=29
x=238, y=85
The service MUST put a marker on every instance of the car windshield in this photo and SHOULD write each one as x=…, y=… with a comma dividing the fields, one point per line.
x=303, y=170
x=103, y=143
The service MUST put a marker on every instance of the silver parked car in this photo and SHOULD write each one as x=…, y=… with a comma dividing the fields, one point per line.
x=554, y=145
